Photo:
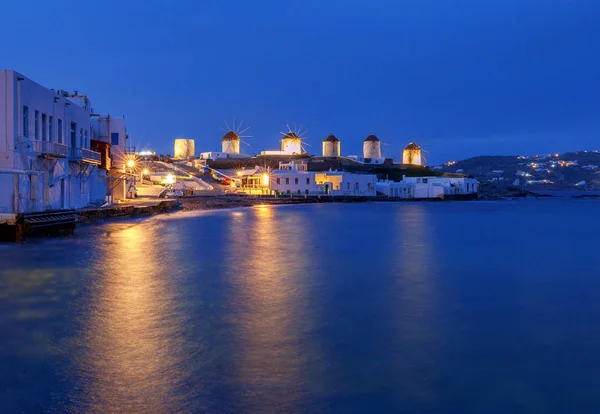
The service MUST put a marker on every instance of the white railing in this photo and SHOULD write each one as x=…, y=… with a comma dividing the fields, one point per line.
x=85, y=155
x=90, y=156
x=52, y=149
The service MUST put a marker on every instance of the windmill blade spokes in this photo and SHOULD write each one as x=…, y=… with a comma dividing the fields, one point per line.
x=227, y=125
x=244, y=142
x=233, y=124
x=244, y=130
x=239, y=127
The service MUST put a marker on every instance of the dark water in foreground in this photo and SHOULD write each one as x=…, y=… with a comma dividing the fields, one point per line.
x=370, y=308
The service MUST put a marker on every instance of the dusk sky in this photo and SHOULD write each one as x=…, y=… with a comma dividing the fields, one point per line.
x=462, y=77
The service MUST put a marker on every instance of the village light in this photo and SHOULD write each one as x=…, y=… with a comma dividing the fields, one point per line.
x=239, y=173
x=145, y=172
x=131, y=163
x=265, y=179
x=170, y=179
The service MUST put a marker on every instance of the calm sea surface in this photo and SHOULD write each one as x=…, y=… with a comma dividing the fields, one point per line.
x=472, y=307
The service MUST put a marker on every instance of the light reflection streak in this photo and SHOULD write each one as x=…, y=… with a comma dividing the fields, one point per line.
x=269, y=277
x=416, y=269
x=132, y=359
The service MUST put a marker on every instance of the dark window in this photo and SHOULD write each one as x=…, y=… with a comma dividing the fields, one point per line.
x=356, y=186
x=348, y=186
x=289, y=192
x=50, y=128
x=298, y=191
x=308, y=181
x=25, y=121
x=424, y=180
x=287, y=180
x=60, y=131
x=279, y=181
x=296, y=180
x=36, y=128
x=74, y=134
x=305, y=191
x=44, y=127
x=114, y=138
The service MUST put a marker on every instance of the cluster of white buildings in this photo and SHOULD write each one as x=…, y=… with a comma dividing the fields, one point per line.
x=55, y=153
x=294, y=179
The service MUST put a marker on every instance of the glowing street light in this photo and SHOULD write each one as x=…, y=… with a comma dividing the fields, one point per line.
x=265, y=179
x=131, y=163
x=239, y=173
x=145, y=172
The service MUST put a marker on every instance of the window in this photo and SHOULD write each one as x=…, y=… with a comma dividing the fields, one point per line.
x=278, y=180
x=25, y=121
x=308, y=181
x=296, y=181
x=44, y=127
x=424, y=180
x=348, y=186
x=74, y=134
x=289, y=192
x=356, y=186
x=287, y=180
x=60, y=131
x=305, y=191
x=298, y=190
x=36, y=128
x=50, y=128
x=81, y=141
x=114, y=138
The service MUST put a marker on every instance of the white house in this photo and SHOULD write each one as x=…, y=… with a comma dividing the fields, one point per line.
x=429, y=187
x=45, y=158
x=294, y=179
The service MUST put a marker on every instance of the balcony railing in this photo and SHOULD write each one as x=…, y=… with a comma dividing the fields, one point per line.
x=50, y=149
x=85, y=155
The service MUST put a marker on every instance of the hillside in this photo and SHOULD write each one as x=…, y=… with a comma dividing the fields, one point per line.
x=570, y=170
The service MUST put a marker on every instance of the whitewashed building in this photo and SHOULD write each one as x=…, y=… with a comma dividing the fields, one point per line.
x=293, y=179
x=429, y=188
x=46, y=162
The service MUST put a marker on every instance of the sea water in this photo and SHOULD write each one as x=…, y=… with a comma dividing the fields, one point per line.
x=458, y=307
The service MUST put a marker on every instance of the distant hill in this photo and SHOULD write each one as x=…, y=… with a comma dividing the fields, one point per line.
x=579, y=169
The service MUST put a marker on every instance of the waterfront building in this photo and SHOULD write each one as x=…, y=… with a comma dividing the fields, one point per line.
x=109, y=137
x=46, y=159
x=429, y=187
x=293, y=178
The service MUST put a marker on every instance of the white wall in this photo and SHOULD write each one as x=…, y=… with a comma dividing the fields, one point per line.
x=57, y=182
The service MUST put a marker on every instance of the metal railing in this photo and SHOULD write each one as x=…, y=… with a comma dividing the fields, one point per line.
x=51, y=149
x=85, y=155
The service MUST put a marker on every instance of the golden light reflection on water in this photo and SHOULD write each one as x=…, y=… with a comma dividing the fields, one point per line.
x=268, y=276
x=416, y=269
x=133, y=359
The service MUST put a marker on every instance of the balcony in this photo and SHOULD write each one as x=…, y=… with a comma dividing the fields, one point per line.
x=85, y=155
x=50, y=149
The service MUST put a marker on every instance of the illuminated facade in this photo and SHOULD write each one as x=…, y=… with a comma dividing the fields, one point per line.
x=46, y=159
x=294, y=179
x=412, y=155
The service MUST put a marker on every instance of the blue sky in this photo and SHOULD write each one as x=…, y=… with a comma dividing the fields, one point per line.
x=461, y=77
